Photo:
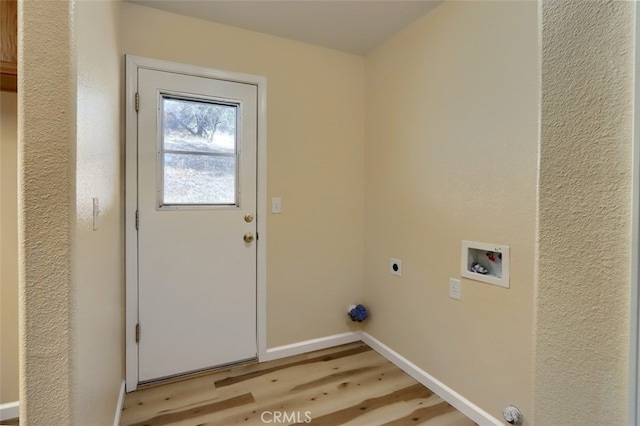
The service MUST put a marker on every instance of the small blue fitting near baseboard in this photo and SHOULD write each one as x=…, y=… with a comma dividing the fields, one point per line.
x=358, y=313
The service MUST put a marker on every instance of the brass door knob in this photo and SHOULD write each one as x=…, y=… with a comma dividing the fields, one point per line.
x=248, y=218
x=248, y=237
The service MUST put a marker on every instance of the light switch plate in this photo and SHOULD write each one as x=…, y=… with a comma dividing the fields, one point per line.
x=276, y=205
x=96, y=214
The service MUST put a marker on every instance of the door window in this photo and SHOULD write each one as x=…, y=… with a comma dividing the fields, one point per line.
x=198, y=153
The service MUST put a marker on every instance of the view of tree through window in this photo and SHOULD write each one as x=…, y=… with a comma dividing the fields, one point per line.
x=199, y=152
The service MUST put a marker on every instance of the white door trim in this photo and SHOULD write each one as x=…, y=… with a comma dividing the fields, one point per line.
x=133, y=63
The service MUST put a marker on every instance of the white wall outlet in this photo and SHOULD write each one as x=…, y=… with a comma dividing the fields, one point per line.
x=395, y=267
x=276, y=205
x=455, y=290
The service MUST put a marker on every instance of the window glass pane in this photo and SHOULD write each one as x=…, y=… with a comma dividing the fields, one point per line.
x=199, y=179
x=190, y=125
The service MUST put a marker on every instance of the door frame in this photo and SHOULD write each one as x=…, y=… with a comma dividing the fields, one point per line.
x=133, y=64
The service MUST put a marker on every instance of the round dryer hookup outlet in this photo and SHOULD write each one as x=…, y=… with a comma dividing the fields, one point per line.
x=395, y=267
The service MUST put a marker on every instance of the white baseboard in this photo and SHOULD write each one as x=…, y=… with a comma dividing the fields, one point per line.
x=119, y=405
x=462, y=404
x=10, y=410
x=311, y=345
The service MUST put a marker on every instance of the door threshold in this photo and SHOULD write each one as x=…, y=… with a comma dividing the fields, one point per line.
x=195, y=374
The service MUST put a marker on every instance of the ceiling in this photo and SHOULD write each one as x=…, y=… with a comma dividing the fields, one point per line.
x=355, y=26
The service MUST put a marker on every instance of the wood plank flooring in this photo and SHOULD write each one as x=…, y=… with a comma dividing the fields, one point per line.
x=346, y=385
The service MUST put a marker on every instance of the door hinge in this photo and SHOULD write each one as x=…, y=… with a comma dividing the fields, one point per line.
x=137, y=219
x=137, y=101
x=137, y=333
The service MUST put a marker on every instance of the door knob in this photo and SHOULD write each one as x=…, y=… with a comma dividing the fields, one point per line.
x=248, y=237
x=248, y=218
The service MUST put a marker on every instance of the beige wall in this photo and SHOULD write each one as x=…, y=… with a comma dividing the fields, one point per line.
x=98, y=258
x=8, y=248
x=584, y=232
x=314, y=161
x=451, y=155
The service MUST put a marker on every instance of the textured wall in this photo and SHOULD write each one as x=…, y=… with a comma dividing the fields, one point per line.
x=451, y=154
x=8, y=248
x=98, y=264
x=581, y=353
x=315, y=125
x=46, y=151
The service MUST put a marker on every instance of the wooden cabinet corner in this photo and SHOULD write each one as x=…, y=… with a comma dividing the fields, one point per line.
x=8, y=45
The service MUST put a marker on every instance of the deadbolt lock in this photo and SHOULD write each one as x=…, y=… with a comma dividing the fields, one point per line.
x=248, y=237
x=248, y=218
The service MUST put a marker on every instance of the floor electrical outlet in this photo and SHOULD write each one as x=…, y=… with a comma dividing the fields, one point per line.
x=455, y=291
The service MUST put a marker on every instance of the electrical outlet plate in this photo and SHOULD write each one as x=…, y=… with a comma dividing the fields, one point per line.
x=395, y=267
x=455, y=289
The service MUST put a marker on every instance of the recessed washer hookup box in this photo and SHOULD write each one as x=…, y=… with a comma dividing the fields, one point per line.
x=485, y=262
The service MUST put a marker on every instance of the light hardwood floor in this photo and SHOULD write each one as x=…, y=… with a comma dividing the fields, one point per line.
x=346, y=385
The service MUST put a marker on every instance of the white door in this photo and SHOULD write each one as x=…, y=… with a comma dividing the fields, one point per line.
x=197, y=208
